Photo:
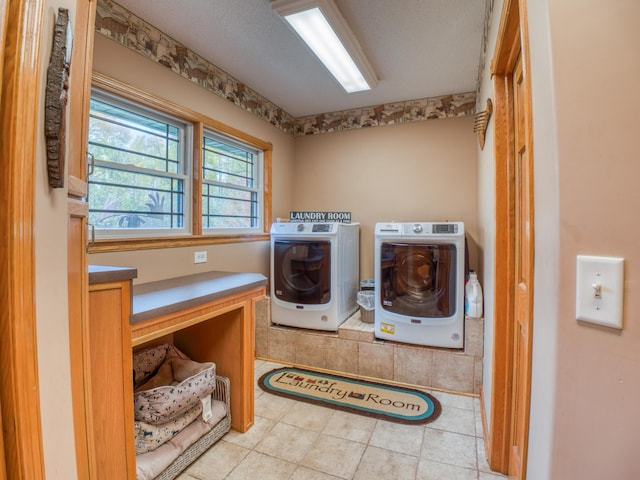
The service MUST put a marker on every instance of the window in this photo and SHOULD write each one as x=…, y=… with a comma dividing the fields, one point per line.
x=139, y=183
x=143, y=181
x=231, y=185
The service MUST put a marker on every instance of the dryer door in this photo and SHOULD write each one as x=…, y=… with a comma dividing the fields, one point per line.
x=302, y=271
x=418, y=280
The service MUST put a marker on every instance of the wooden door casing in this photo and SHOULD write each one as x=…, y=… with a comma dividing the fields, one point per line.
x=522, y=281
x=19, y=121
x=513, y=317
x=77, y=208
x=3, y=21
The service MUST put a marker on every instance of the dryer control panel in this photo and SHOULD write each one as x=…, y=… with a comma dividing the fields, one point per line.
x=306, y=228
x=419, y=229
x=322, y=227
x=445, y=228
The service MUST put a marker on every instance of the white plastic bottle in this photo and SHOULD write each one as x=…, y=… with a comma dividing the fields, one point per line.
x=473, y=296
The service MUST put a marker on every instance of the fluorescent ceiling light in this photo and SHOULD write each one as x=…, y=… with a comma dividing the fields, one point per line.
x=322, y=27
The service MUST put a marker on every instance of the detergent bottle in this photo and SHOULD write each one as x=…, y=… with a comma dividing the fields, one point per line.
x=473, y=296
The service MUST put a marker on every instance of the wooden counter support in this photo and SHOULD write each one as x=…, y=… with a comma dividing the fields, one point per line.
x=110, y=353
x=108, y=402
x=211, y=317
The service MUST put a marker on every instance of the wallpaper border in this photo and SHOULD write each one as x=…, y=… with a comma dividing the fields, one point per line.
x=132, y=32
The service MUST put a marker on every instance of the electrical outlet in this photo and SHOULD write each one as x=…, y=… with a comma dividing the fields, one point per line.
x=200, y=257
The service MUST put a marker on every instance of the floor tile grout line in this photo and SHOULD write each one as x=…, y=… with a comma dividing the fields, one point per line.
x=365, y=443
x=368, y=442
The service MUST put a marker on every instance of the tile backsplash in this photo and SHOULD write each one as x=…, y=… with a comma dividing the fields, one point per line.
x=354, y=350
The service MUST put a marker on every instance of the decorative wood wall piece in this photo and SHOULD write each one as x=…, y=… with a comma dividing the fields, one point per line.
x=56, y=98
x=481, y=122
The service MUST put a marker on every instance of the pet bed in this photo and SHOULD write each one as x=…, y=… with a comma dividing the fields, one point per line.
x=181, y=409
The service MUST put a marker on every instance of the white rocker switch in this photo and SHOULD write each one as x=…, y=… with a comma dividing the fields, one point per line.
x=599, y=290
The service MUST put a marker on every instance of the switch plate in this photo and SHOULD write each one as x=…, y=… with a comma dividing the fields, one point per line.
x=599, y=290
x=200, y=257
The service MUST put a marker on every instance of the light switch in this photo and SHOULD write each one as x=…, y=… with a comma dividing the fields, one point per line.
x=599, y=290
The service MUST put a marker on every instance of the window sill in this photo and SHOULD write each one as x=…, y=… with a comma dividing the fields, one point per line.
x=125, y=244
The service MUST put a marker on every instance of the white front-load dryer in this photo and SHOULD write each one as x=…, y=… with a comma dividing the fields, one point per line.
x=419, y=283
x=314, y=273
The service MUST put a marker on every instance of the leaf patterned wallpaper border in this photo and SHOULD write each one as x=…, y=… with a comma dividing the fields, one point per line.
x=132, y=32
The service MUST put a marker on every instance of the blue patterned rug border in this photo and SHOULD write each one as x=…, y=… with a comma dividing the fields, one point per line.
x=298, y=386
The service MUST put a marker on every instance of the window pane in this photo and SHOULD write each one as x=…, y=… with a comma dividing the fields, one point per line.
x=230, y=184
x=224, y=207
x=138, y=180
x=122, y=199
x=129, y=138
x=227, y=164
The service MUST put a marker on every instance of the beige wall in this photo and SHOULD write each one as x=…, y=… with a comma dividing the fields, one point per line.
x=424, y=171
x=486, y=214
x=585, y=379
x=51, y=292
x=428, y=169
x=129, y=67
x=597, y=102
x=547, y=254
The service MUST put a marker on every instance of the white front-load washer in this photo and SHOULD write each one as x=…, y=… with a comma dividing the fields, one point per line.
x=419, y=283
x=314, y=273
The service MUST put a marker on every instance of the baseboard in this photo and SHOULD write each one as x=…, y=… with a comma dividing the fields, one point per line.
x=485, y=430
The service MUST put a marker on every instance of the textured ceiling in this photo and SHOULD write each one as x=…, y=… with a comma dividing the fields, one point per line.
x=418, y=48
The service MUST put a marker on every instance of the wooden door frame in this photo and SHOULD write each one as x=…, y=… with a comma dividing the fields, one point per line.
x=512, y=42
x=19, y=121
x=4, y=16
x=77, y=208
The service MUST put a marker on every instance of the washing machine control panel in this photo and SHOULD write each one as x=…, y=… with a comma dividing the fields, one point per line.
x=451, y=228
x=322, y=227
x=420, y=229
x=305, y=228
x=315, y=227
x=427, y=229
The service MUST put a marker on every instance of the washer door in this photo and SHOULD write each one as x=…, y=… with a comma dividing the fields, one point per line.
x=418, y=280
x=302, y=271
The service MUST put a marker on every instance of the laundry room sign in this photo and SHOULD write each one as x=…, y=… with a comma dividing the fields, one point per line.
x=343, y=217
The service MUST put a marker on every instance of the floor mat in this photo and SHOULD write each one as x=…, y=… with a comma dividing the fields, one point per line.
x=387, y=402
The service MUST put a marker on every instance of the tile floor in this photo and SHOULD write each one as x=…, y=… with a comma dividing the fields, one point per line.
x=292, y=440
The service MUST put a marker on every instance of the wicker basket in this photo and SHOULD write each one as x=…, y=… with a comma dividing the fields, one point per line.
x=192, y=453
